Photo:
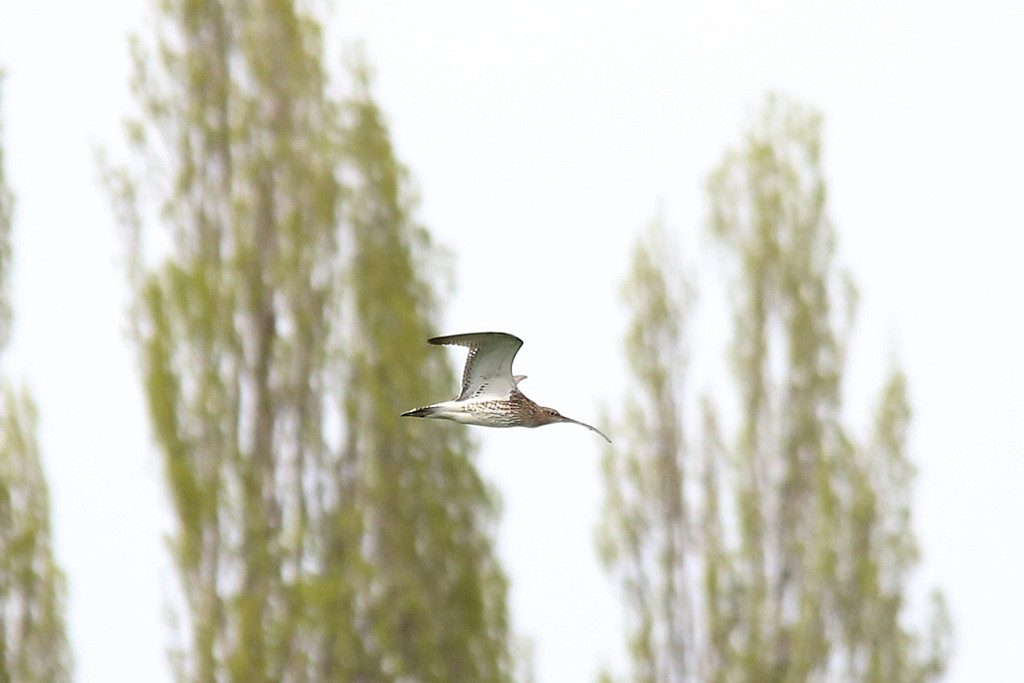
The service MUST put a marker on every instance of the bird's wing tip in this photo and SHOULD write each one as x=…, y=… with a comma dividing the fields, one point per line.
x=446, y=339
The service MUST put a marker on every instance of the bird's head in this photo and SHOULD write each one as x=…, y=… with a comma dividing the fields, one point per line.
x=551, y=416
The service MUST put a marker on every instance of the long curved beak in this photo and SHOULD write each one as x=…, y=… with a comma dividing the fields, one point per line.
x=563, y=418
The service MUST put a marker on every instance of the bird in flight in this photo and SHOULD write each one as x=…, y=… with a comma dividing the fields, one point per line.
x=490, y=395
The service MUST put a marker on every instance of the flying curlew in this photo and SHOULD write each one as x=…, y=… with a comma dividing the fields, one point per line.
x=490, y=394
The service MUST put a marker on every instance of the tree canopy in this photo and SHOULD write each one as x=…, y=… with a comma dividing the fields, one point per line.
x=782, y=553
x=33, y=637
x=280, y=333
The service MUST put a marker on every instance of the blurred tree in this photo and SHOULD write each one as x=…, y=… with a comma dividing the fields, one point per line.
x=318, y=536
x=438, y=599
x=646, y=528
x=785, y=556
x=33, y=639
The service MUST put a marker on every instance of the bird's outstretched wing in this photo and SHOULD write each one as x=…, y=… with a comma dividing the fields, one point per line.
x=488, y=371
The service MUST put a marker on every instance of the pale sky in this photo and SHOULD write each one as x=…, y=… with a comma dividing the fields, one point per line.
x=542, y=136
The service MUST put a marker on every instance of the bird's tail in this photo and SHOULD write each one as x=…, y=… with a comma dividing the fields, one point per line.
x=426, y=411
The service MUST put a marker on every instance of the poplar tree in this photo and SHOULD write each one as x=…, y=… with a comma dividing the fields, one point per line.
x=438, y=594
x=784, y=552
x=33, y=638
x=280, y=331
x=646, y=532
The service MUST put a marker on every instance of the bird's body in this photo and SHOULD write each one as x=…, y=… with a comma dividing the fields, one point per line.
x=490, y=395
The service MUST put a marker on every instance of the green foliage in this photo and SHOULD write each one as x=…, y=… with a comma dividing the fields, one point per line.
x=318, y=536
x=785, y=555
x=648, y=526
x=439, y=603
x=33, y=641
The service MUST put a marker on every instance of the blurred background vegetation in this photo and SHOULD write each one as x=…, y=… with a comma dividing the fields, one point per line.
x=781, y=552
x=281, y=296
x=33, y=640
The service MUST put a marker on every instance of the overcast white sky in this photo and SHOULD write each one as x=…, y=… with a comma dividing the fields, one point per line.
x=542, y=139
